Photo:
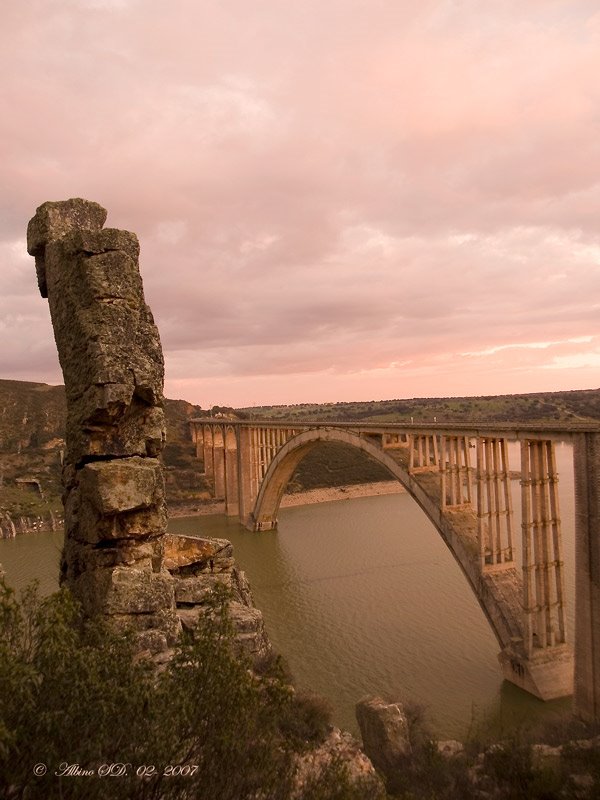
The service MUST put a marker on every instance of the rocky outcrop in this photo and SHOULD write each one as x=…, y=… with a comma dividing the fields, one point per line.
x=342, y=748
x=8, y=529
x=117, y=559
x=197, y=566
x=111, y=358
x=384, y=730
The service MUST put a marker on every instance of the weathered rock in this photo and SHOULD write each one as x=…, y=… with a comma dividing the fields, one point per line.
x=196, y=589
x=122, y=484
x=342, y=747
x=384, y=731
x=450, y=748
x=110, y=354
x=251, y=637
x=193, y=555
x=53, y=220
x=108, y=345
x=117, y=558
x=125, y=590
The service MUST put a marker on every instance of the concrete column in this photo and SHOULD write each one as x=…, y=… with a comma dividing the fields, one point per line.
x=219, y=463
x=208, y=454
x=246, y=465
x=231, y=474
x=543, y=581
x=494, y=506
x=510, y=553
x=198, y=438
x=454, y=465
x=254, y=477
x=443, y=482
x=587, y=575
x=262, y=454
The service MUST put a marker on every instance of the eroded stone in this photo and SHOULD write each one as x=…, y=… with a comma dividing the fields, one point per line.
x=384, y=730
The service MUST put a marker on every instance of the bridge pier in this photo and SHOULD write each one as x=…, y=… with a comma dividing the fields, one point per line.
x=587, y=575
x=540, y=662
x=218, y=455
x=232, y=506
x=494, y=505
x=546, y=674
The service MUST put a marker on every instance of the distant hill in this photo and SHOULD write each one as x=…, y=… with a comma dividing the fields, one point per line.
x=32, y=425
x=579, y=404
x=335, y=465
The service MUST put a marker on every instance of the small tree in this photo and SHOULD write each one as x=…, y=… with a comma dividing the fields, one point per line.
x=81, y=717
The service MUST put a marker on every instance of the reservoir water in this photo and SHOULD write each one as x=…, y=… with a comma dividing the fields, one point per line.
x=363, y=597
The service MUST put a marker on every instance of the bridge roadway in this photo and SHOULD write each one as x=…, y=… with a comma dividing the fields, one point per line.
x=459, y=473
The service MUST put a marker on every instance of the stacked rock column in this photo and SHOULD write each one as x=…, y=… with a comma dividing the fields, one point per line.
x=112, y=363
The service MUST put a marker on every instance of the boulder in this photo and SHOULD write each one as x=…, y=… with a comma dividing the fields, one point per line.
x=384, y=731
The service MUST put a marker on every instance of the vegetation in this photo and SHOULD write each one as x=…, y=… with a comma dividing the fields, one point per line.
x=333, y=464
x=578, y=405
x=74, y=700
x=516, y=768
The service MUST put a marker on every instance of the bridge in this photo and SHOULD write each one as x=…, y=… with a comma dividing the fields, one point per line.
x=460, y=475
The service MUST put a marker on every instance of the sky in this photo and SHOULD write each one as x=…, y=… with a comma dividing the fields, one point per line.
x=335, y=199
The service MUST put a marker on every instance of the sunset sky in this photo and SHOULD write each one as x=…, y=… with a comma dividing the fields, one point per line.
x=335, y=199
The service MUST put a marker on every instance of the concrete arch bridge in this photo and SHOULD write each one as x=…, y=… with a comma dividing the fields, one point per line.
x=460, y=476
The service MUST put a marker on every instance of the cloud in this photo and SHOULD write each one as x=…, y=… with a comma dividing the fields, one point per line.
x=345, y=196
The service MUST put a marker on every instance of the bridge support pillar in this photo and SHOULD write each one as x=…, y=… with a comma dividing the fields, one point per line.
x=423, y=453
x=246, y=464
x=541, y=662
x=198, y=439
x=219, y=469
x=587, y=575
x=207, y=448
x=494, y=506
x=231, y=474
x=547, y=673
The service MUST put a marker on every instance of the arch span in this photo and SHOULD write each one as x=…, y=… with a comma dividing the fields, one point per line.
x=498, y=595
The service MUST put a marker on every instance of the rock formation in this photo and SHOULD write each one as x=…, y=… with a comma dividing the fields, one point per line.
x=117, y=558
x=384, y=730
x=197, y=565
x=111, y=358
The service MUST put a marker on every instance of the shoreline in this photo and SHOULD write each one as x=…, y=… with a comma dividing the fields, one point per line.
x=310, y=497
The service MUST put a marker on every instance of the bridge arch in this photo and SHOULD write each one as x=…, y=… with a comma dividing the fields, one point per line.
x=450, y=526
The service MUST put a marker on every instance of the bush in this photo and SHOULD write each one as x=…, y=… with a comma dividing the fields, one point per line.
x=73, y=697
x=307, y=720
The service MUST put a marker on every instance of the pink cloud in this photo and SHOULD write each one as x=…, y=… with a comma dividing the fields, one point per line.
x=334, y=200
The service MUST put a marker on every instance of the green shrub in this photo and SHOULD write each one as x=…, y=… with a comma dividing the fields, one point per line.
x=334, y=783
x=307, y=720
x=72, y=692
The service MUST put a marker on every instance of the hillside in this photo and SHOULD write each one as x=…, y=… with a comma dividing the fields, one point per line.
x=581, y=404
x=335, y=465
x=32, y=425
x=32, y=422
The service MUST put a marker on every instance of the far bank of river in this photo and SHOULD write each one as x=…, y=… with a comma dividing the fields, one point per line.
x=324, y=495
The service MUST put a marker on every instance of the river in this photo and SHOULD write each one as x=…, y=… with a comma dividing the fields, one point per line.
x=362, y=597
